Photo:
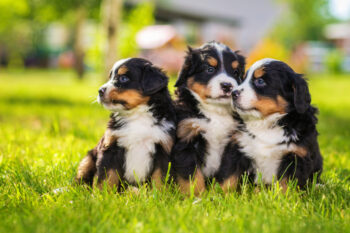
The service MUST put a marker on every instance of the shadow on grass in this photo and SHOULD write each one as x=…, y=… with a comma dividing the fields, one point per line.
x=47, y=101
x=331, y=122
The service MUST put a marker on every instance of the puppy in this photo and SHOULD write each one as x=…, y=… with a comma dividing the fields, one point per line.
x=205, y=122
x=140, y=134
x=277, y=129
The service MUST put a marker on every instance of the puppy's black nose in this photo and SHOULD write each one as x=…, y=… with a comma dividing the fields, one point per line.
x=102, y=91
x=235, y=94
x=226, y=87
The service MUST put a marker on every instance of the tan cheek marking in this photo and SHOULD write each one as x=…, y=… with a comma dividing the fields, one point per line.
x=157, y=178
x=132, y=98
x=267, y=106
x=235, y=64
x=200, y=89
x=230, y=184
x=122, y=70
x=212, y=61
x=188, y=129
x=259, y=72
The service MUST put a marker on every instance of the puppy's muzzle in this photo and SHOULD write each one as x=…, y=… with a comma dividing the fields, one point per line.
x=102, y=91
x=236, y=94
x=226, y=87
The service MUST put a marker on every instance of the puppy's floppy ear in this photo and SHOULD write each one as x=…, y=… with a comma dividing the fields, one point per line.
x=302, y=98
x=187, y=68
x=153, y=80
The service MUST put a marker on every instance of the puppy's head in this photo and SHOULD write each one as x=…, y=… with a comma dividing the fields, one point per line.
x=271, y=87
x=131, y=83
x=211, y=72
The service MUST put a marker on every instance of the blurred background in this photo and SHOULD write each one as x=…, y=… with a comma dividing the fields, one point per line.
x=87, y=36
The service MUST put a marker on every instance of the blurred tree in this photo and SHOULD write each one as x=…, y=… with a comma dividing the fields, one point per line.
x=139, y=17
x=334, y=61
x=303, y=20
x=111, y=11
x=81, y=9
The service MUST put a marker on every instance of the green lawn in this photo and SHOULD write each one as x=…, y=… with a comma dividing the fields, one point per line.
x=48, y=120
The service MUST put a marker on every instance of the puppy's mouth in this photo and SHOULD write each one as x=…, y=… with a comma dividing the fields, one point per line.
x=237, y=106
x=224, y=96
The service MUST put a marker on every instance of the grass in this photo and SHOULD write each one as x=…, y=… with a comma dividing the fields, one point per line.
x=48, y=121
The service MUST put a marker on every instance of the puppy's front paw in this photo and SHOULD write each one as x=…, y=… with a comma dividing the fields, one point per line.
x=109, y=139
x=189, y=128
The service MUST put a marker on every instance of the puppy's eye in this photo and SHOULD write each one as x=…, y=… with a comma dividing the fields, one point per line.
x=210, y=70
x=259, y=82
x=123, y=79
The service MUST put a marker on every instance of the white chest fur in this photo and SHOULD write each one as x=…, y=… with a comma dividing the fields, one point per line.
x=138, y=136
x=264, y=148
x=216, y=132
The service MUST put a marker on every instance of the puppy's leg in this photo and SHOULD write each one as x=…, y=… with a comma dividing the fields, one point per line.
x=197, y=181
x=111, y=178
x=293, y=166
x=230, y=184
x=157, y=178
x=161, y=163
x=189, y=128
x=109, y=166
x=87, y=168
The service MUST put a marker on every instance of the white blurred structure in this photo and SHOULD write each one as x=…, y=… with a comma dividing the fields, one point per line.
x=240, y=23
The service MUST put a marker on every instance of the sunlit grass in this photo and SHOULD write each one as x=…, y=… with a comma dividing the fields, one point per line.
x=48, y=121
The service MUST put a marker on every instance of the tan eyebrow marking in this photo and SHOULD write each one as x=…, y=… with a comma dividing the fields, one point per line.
x=259, y=72
x=122, y=70
x=235, y=64
x=212, y=61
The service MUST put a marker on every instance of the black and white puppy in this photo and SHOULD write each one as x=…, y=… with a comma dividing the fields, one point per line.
x=277, y=130
x=140, y=134
x=205, y=120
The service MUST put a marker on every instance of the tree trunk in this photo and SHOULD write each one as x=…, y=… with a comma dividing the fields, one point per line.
x=111, y=14
x=78, y=42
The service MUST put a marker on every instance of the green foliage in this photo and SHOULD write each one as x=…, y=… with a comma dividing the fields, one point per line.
x=302, y=20
x=48, y=121
x=23, y=22
x=139, y=17
x=333, y=62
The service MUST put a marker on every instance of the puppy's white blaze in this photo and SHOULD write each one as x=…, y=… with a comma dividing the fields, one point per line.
x=138, y=137
x=220, y=48
x=214, y=85
x=257, y=65
x=117, y=64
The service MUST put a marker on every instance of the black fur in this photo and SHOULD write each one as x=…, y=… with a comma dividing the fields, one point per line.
x=152, y=83
x=299, y=122
x=186, y=157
